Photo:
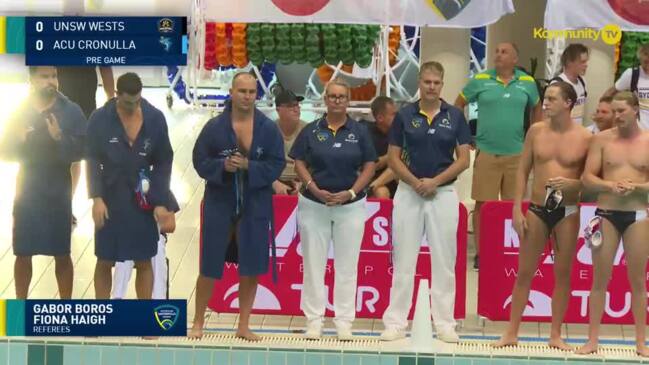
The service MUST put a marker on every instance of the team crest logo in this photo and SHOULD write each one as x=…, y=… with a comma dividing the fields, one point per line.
x=445, y=123
x=166, y=316
x=322, y=136
x=165, y=25
x=147, y=144
x=351, y=138
x=416, y=123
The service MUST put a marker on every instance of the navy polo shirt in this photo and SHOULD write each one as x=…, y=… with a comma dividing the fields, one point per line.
x=334, y=159
x=428, y=145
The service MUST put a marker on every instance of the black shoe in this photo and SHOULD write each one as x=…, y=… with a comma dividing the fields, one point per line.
x=476, y=263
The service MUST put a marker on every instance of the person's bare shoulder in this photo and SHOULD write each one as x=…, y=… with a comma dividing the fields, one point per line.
x=606, y=135
x=585, y=133
x=645, y=139
x=538, y=127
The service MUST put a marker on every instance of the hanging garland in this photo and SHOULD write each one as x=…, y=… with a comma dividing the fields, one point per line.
x=223, y=55
x=345, y=46
x=330, y=43
x=283, y=38
x=238, y=44
x=239, y=51
x=253, y=43
x=268, y=46
x=298, y=45
x=209, y=60
x=312, y=42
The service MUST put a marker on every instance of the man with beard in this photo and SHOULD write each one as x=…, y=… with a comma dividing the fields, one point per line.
x=616, y=168
x=603, y=116
x=45, y=136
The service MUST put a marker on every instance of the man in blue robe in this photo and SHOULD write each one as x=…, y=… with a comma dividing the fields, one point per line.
x=239, y=154
x=45, y=136
x=129, y=159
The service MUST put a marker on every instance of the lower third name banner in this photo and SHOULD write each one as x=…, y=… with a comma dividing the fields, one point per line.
x=96, y=317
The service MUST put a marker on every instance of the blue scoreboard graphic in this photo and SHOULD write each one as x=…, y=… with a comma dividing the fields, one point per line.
x=105, y=41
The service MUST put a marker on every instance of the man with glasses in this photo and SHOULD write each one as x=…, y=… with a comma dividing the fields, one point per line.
x=288, y=111
x=334, y=158
x=556, y=152
x=129, y=168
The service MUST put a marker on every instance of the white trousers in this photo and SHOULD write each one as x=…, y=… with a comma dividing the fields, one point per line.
x=123, y=269
x=436, y=217
x=320, y=225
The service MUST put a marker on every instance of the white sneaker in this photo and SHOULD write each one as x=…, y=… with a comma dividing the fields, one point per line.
x=344, y=333
x=448, y=335
x=313, y=330
x=392, y=334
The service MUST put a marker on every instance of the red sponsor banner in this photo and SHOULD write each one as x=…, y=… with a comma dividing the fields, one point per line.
x=499, y=264
x=374, y=267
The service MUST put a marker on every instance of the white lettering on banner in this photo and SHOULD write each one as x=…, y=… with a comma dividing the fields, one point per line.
x=538, y=304
x=583, y=307
x=264, y=300
x=511, y=238
x=369, y=303
x=286, y=234
x=368, y=269
x=380, y=237
x=583, y=274
x=509, y=272
x=511, y=241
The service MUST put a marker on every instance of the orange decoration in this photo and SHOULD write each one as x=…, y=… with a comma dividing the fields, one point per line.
x=239, y=50
x=394, y=39
x=222, y=46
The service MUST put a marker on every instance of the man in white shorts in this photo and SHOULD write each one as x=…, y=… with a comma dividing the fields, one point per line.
x=160, y=263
